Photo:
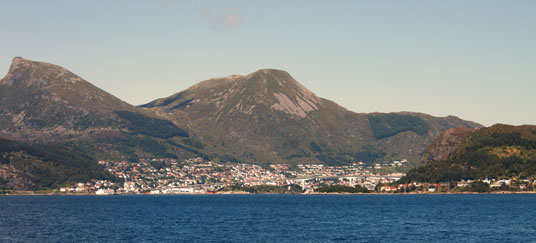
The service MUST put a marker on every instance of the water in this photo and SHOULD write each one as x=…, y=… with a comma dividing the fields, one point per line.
x=269, y=218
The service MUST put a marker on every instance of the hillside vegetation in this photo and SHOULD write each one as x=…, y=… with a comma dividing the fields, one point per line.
x=151, y=126
x=34, y=167
x=390, y=124
x=494, y=152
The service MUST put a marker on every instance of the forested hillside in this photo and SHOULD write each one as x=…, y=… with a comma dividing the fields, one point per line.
x=494, y=152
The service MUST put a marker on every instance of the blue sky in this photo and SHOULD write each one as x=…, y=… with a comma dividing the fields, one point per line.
x=472, y=59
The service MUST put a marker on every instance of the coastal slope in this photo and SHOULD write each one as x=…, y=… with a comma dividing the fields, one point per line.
x=491, y=152
x=25, y=167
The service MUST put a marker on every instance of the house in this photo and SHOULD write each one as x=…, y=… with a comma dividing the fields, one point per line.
x=496, y=184
x=308, y=190
x=464, y=182
x=370, y=187
x=105, y=192
x=506, y=181
x=67, y=189
x=186, y=190
x=386, y=188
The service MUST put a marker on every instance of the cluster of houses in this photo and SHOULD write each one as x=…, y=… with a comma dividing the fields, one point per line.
x=502, y=184
x=513, y=183
x=196, y=175
x=426, y=187
x=100, y=187
x=387, y=164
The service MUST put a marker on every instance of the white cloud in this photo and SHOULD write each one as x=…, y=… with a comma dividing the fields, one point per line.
x=221, y=22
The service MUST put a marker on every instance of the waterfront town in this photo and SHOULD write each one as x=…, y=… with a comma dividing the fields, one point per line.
x=198, y=176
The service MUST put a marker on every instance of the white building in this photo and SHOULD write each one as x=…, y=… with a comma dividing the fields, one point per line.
x=105, y=192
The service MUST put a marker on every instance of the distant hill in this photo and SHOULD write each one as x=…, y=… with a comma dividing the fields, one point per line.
x=269, y=117
x=33, y=167
x=496, y=151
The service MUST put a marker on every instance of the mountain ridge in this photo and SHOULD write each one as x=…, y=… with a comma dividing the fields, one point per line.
x=264, y=103
x=264, y=117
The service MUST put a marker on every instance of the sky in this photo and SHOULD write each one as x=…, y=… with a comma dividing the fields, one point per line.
x=472, y=59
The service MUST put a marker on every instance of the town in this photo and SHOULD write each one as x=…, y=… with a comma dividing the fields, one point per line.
x=198, y=176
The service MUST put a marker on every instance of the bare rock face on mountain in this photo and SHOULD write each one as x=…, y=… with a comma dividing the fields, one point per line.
x=41, y=101
x=446, y=144
x=267, y=116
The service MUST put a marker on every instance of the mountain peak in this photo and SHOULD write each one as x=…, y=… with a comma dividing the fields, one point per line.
x=273, y=88
x=16, y=62
x=269, y=71
x=24, y=71
x=264, y=75
x=270, y=75
x=19, y=62
x=270, y=88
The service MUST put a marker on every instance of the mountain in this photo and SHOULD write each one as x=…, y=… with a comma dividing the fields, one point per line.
x=269, y=117
x=45, y=103
x=494, y=152
x=33, y=167
x=264, y=117
x=42, y=102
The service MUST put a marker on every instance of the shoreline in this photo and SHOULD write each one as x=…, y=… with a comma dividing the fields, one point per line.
x=26, y=193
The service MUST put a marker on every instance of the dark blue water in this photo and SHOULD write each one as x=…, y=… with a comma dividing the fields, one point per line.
x=269, y=218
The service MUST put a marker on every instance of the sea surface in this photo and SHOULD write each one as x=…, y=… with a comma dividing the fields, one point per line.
x=269, y=218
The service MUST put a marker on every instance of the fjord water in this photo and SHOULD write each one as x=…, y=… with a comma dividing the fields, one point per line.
x=269, y=218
